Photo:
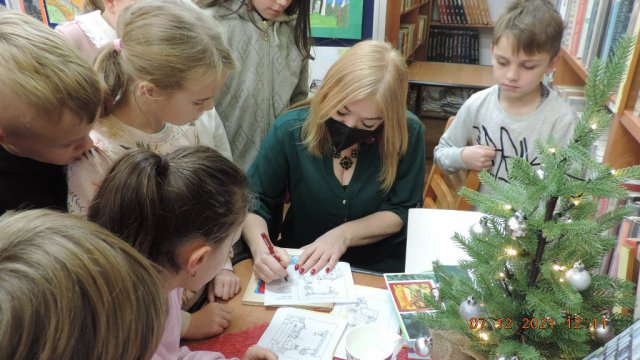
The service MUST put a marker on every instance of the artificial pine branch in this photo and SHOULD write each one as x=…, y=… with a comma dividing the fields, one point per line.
x=560, y=204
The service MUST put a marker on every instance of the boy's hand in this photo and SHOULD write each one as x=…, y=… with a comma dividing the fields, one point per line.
x=225, y=285
x=210, y=320
x=259, y=353
x=478, y=157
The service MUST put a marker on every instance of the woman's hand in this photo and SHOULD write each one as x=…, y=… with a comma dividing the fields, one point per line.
x=224, y=286
x=325, y=251
x=259, y=353
x=267, y=267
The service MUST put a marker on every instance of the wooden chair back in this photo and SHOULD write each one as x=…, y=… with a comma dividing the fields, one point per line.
x=441, y=189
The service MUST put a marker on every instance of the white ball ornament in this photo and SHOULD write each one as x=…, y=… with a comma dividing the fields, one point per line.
x=578, y=277
x=603, y=332
x=469, y=309
x=517, y=225
x=480, y=228
x=422, y=346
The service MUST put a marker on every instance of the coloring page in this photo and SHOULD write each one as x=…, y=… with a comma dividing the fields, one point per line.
x=335, y=286
x=296, y=334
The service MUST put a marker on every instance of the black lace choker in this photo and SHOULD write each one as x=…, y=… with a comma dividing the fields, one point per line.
x=346, y=162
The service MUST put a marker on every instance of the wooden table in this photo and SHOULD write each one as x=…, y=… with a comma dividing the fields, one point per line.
x=449, y=75
x=246, y=316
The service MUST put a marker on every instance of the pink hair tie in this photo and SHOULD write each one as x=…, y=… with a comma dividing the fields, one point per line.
x=117, y=45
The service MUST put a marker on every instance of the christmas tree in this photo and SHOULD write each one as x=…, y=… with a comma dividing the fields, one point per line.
x=533, y=290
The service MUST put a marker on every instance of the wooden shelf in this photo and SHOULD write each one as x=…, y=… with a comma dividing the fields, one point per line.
x=631, y=123
x=575, y=64
x=472, y=26
x=406, y=11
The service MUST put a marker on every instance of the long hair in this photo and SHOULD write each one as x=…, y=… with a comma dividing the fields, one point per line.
x=370, y=69
x=299, y=8
x=69, y=289
x=45, y=72
x=164, y=42
x=159, y=202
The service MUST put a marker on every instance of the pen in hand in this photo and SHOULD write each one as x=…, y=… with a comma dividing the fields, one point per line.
x=269, y=244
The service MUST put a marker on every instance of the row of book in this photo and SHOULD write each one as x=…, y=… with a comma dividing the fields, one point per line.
x=624, y=261
x=411, y=36
x=593, y=27
x=454, y=45
x=470, y=12
x=408, y=4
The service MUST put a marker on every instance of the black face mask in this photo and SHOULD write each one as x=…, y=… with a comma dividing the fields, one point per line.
x=343, y=136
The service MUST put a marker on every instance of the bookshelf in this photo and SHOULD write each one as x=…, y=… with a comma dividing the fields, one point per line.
x=591, y=30
x=407, y=26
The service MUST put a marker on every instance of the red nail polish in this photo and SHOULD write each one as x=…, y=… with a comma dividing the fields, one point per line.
x=328, y=269
x=301, y=270
x=296, y=267
x=313, y=271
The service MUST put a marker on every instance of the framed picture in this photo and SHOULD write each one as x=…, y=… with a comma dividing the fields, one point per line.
x=341, y=19
x=59, y=11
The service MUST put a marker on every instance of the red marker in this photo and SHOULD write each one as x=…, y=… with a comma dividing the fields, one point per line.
x=271, y=251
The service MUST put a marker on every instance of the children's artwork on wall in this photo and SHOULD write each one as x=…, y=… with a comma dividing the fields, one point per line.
x=59, y=11
x=34, y=8
x=340, y=19
x=324, y=57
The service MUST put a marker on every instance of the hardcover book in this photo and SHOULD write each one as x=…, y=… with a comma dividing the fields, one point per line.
x=254, y=293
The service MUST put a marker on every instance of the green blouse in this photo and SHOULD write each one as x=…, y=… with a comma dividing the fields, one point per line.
x=318, y=202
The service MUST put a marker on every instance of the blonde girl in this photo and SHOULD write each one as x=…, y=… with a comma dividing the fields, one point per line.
x=270, y=39
x=352, y=161
x=183, y=211
x=69, y=289
x=161, y=76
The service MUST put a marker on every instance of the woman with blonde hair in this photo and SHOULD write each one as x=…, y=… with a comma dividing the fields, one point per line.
x=352, y=163
x=69, y=289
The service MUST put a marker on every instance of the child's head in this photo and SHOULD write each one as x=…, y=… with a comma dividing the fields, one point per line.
x=181, y=210
x=69, y=289
x=110, y=9
x=170, y=62
x=371, y=71
x=49, y=95
x=532, y=27
x=272, y=9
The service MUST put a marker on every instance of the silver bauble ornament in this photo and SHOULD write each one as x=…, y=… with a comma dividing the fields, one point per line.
x=501, y=357
x=517, y=225
x=578, y=277
x=603, y=334
x=480, y=228
x=515, y=357
x=469, y=308
x=422, y=346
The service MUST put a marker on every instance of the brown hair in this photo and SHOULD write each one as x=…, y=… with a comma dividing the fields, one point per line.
x=368, y=69
x=93, y=5
x=69, y=289
x=164, y=42
x=299, y=8
x=42, y=69
x=157, y=202
x=534, y=25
